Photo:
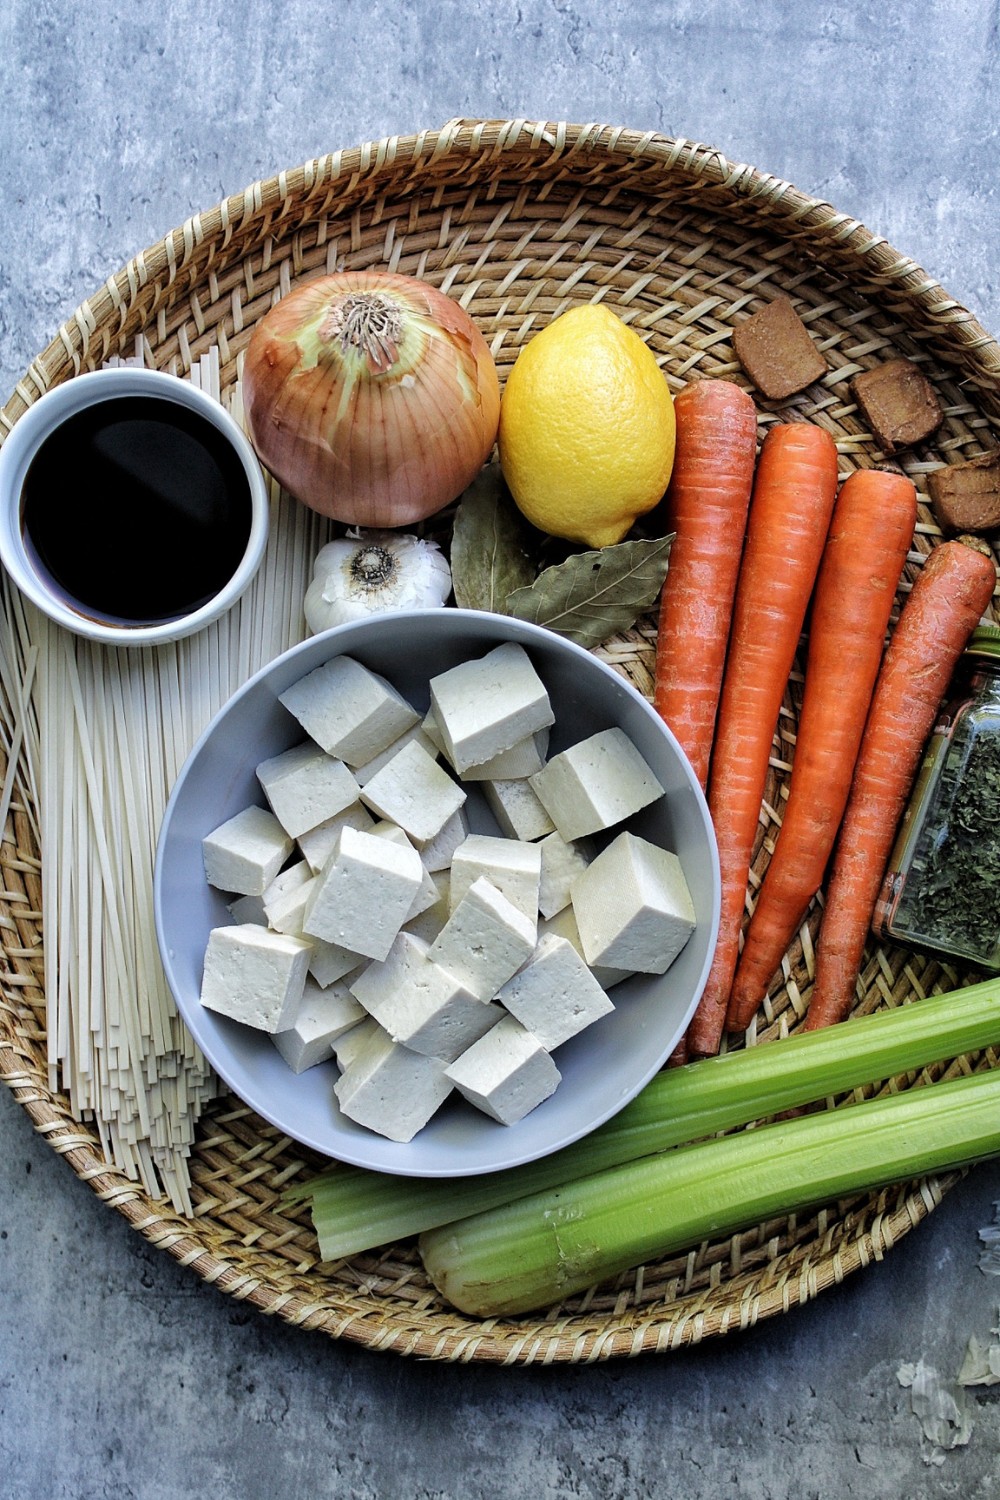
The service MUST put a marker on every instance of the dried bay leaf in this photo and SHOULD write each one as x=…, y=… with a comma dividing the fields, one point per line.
x=592, y=595
x=490, y=545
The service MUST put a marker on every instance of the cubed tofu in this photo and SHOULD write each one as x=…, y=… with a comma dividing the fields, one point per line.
x=284, y=895
x=304, y=786
x=554, y=995
x=286, y=912
x=420, y=1004
x=245, y=853
x=248, y=909
x=595, y=784
x=363, y=893
x=428, y=922
x=562, y=862
x=521, y=760
x=518, y=811
x=485, y=706
x=363, y=774
x=329, y=962
x=254, y=975
x=633, y=906
x=512, y=866
x=391, y=1089
x=506, y=1074
x=428, y=894
x=415, y=792
x=516, y=764
x=320, y=1018
x=563, y=924
x=353, y=1042
x=352, y=712
x=438, y=854
x=316, y=845
x=484, y=941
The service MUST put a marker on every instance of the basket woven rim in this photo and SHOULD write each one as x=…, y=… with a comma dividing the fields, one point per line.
x=176, y=260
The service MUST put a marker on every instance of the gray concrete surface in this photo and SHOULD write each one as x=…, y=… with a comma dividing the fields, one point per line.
x=121, y=1375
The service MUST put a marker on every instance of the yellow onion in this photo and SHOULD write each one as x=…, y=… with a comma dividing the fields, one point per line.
x=371, y=397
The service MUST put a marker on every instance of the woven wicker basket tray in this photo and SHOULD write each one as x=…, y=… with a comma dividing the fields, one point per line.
x=519, y=220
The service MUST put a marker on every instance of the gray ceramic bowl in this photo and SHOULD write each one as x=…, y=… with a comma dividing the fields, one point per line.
x=604, y=1066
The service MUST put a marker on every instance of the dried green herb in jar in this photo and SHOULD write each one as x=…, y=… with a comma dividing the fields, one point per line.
x=942, y=888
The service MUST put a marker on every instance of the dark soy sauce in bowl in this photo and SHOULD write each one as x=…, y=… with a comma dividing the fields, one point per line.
x=138, y=509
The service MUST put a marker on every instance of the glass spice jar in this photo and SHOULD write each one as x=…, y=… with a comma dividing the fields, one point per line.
x=941, y=890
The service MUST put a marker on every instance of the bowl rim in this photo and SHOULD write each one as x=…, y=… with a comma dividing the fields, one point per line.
x=42, y=418
x=370, y=1149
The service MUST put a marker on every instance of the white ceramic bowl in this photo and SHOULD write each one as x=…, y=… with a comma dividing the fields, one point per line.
x=604, y=1066
x=23, y=443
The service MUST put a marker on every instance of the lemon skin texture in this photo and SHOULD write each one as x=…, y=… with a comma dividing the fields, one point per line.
x=586, y=438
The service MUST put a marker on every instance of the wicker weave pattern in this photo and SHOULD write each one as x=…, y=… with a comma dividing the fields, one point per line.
x=518, y=220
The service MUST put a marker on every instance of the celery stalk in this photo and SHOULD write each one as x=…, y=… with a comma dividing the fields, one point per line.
x=354, y=1209
x=536, y=1252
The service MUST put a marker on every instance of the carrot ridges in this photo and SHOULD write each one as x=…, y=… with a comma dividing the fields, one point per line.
x=869, y=538
x=707, y=503
x=948, y=598
x=793, y=497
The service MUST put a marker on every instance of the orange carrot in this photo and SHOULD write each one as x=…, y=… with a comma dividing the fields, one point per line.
x=790, y=511
x=707, y=505
x=945, y=604
x=869, y=538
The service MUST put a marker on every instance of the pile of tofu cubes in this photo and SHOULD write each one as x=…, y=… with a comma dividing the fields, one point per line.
x=372, y=927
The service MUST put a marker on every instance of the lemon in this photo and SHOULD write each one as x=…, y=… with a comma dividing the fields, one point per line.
x=586, y=428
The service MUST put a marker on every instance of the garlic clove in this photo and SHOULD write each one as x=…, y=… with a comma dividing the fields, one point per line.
x=368, y=572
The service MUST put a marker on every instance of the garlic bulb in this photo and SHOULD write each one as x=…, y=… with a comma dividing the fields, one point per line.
x=366, y=572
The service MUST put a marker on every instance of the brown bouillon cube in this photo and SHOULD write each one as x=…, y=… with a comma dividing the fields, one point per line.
x=777, y=352
x=966, y=496
x=898, y=403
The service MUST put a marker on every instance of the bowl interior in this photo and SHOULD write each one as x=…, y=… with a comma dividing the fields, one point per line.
x=603, y=1067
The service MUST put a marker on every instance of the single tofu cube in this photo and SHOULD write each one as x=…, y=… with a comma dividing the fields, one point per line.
x=562, y=862
x=391, y=1089
x=427, y=895
x=248, y=909
x=322, y=1016
x=354, y=1041
x=514, y=867
x=420, y=1004
x=516, y=764
x=316, y=845
x=521, y=760
x=286, y=912
x=363, y=893
x=506, y=1074
x=245, y=853
x=282, y=892
x=304, y=786
x=563, y=924
x=555, y=995
x=428, y=923
x=517, y=809
x=484, y=941
x=438, y=854
x=363, y=774
x=329, y=962
x=414, y=791
x=254, y=975
x=352, y=712
x=485, y=706
x=595, y=784
x=633, y=906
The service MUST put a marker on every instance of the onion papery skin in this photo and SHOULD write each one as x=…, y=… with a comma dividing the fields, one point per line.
x=371, y=438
